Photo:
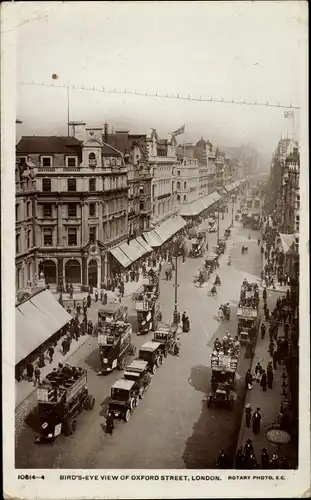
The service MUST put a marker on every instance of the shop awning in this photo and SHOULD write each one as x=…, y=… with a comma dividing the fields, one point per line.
x=287, y=241
x=124, y=260
x=36, y=320
x=130, y=251
x=198, y=206
x=153, y=239
x=145, y=245
x=137, y=246
x=170, y=227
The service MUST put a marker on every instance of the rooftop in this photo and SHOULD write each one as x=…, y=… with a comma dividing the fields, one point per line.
x=48, y=144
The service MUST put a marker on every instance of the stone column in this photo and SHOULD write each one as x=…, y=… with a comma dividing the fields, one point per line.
x=100, y=221
x=84, y=286
x=34, y=219
x=60, y=274
x=59, y=207
x=84, y=223
x=99, y=271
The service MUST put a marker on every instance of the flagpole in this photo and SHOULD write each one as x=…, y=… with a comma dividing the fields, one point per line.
x=68, y=108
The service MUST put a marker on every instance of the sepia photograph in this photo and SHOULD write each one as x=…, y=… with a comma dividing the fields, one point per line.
x=160, y=218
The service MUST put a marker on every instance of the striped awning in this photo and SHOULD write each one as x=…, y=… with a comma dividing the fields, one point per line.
x=124, y=260
x=145, y=245
x=153, y=239
x=198, y=206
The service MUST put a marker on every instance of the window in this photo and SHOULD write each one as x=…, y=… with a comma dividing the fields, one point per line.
x=185, y=185
x=72, y=185
x=141, y=190
x=72, y=210
x=17, y=243
x=71, y=161
x=46, y=161
x=178, y=197
x=16, y=213
x=47, y=210
x=18, y=278
x=178, y=185
x=92, y=209
x=28, y=239
x=47, y=237
x=72, y=236
x=46, y=184
x=92, y=185
x=28, y=271
x=28, y=209
x=92, y=160
x=92, y=234
x=185, y=197
x=141, y=205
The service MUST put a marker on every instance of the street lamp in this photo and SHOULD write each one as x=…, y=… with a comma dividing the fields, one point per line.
x=232, y=199
x=176, y=314
x=218, y=222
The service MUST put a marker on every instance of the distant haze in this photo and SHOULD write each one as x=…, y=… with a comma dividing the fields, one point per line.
x=236, y=50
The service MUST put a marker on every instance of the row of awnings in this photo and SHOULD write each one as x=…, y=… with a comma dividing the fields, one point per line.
x=36, y=320
x=164, y=231
x=198, y=206
x=127, y=253
x=232, y=186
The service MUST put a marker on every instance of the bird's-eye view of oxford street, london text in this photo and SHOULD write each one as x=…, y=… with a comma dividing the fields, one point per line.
x=157, y=237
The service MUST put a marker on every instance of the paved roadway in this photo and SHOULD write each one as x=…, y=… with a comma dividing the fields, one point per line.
x=172, y=427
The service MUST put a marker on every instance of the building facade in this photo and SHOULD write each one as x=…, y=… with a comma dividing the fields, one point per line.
x=163, y=161
x=188, y=176
x=135, y=152
x=71, y=208
x=220, y=169
x=203, y=152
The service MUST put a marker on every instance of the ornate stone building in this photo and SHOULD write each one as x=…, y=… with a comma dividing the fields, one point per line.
x=71, y=208
x=135, y=152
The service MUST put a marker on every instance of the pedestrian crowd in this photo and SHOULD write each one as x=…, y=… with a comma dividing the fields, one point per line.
x=273, y=272
x=246, y=459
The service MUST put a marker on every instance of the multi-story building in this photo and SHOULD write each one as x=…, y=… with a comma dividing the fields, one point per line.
x=220, y=169
x=203, y=151
x=163, y=164
x=71, y=208
x=188, y=176
x=134, y=149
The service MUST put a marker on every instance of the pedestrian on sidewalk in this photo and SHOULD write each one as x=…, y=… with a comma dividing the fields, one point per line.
x=96, y=295
x=263, y=330
x=269, y=375
x=256, y=421
x=240, y=459
x=263, y=381
x=88, y=300
x=258, y=241
x=264, y=459
x=64, y=346
x=275, y=361
x=271, y=349
x=248, y=380
x=222, y=461
x=248, y=415
x=78, y=309
x=258, y=371
x=264, y=294
x=37, y=376
x=29, y=371
x=51, y=353
x=248, y=448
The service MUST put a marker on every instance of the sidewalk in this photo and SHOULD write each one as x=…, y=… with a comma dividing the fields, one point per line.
x=24, y=389
x=269, y=402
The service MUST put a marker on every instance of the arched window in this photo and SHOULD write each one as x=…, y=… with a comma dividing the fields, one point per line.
x=72, y=271
x=178, y=197
x=49, y=271
x=92, y=160
x=185, y=185
x=185, y=197
x=178, y=185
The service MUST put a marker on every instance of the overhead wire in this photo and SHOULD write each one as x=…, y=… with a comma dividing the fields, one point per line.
x=163, y=96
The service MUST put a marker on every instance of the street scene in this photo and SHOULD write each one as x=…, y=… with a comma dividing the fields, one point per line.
x=157, y=238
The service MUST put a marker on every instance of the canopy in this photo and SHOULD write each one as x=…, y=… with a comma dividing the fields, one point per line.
x=138, y=247
x=153, y=239
x=287, y=241
x=124, y=260
x=145, y=245
x=131, y=252
x=197, y=206
x=37, y=319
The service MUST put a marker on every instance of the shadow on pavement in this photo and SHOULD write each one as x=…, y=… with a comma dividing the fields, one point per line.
x=200, y=378
x=93, y=360
x=104, y=407
x=32, y=420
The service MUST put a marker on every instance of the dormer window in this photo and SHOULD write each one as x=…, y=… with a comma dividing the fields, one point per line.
x=92, y=160
x=71, y=161
x=46, y=161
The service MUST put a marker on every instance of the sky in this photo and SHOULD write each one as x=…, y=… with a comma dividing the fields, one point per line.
x=232, y=50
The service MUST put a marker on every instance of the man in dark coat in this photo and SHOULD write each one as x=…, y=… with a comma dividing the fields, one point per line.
x=269, y=375
x=264, y=459
x=263, y=381
x=248, y=379
x=29, y=371
x=264, y=294
x=256, y=421
x=51, y=353
x=88, y=300
x=240, y=459
x=263, y=331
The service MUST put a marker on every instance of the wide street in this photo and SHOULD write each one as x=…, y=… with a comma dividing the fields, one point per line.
x=172, y=427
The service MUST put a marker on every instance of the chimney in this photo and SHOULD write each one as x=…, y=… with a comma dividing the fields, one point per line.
x=106, y=135
x=77, y=130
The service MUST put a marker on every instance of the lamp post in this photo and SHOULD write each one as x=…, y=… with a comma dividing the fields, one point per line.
x=218, y=223
x=232, y=199
x=176, y=314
